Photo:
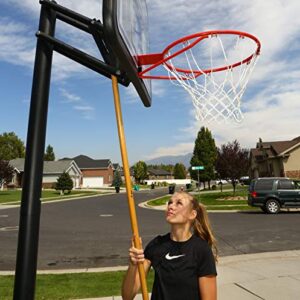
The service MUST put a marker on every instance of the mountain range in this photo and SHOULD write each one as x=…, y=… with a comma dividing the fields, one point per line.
x=171, y=160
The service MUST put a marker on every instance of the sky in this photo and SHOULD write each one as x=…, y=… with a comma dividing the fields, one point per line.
x=81, y=117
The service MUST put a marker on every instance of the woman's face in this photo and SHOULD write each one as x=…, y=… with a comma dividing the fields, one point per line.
x=179, y=209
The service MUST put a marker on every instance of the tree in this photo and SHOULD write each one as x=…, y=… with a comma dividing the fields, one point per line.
x=49, y=155
x=6, y=172
x=140, y=171
x=204, y=154
x=64, y=183
x=117, y=180
x=168, y=168
x=11, y=146
x=179, y=171
x=233, y=162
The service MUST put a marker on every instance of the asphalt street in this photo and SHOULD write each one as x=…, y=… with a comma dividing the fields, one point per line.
x=96, y=232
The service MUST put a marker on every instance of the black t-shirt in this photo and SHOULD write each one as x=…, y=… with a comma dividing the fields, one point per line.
x=178, y=265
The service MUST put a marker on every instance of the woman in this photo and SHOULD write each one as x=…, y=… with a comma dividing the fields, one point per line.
x=183, y=259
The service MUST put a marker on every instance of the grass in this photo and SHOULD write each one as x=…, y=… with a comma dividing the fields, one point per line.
x=72, y=286
x=15, y=195
x=212, y=200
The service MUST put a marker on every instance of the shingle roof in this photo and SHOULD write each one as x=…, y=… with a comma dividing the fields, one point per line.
x=274, y=148
x=116, y=166
x=18, y=163
x=85, y=162
x=50, y=167
x=158, y=172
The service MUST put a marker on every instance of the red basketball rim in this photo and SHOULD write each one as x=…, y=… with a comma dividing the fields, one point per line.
x=156, y=59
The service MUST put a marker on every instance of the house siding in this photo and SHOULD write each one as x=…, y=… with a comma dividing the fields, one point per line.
x=292, y=164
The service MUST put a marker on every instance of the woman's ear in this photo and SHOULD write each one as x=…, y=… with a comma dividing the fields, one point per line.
x=193, y=214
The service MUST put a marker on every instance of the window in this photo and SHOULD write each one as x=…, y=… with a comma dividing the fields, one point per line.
x=264, y=184
x=285, y=185
x=297, y=185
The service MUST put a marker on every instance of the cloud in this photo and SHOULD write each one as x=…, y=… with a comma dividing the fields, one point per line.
x=179, y=149
x=90, y=8
x=16, y=47
x=18, y=41
x=83, y=108
x=69, y=96
x=86, y=111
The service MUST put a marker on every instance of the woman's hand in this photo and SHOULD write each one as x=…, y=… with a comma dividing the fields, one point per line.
x=136, y=255
x=131, y=283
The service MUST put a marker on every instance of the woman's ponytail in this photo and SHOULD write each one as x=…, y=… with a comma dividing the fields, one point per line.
x=202, y=227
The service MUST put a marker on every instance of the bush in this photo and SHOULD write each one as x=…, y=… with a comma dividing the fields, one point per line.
x=64, y=183
x=213, y=187
x=117, y=180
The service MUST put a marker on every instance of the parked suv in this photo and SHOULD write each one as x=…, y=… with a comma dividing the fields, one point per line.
x=272, y=193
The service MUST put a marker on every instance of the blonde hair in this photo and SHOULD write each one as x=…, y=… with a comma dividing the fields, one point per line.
x=201, y=225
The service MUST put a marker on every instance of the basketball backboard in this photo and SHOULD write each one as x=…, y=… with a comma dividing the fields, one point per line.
x=125, y=26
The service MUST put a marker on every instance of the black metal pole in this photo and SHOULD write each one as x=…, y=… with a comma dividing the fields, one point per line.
x=27, y=251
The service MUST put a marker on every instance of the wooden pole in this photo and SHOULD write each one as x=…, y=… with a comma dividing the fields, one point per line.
x=131, y=204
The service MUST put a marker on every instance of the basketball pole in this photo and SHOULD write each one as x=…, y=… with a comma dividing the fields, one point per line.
x=131, y=204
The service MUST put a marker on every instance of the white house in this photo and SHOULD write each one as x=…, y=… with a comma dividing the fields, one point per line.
x=52, y=170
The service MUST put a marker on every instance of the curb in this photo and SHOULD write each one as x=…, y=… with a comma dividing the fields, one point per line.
x=163, y=208
x=223, y=261
x=18, y=203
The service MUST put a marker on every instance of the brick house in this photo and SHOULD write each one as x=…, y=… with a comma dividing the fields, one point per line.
x=96, y=173
x=51, y=171
x=280, y=158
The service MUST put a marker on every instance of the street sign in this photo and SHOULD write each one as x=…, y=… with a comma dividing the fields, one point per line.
x=197, y=168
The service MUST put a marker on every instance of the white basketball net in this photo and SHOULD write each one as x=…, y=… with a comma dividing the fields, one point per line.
x=216, y=96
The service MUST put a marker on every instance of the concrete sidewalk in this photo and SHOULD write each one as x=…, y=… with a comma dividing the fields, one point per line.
x=270, y=276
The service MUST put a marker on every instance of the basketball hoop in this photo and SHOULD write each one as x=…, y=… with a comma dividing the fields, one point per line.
x=217, y=86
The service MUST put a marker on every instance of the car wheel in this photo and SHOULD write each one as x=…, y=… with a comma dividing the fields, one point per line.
x=272, y=206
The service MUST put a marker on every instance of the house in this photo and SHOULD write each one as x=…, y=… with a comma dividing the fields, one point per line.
x=159, y=174
x=117, y=167
x=51, y=171
x=96, y=173
x=280, y=158
x=131, y=174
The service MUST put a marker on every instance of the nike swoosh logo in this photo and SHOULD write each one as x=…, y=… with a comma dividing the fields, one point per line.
x=169, y=257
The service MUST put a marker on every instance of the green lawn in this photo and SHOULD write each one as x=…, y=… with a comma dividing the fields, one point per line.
x=72, y=286
x=212, y=200
x=15, y=195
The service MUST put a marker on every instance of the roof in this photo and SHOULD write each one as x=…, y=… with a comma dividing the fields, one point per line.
x=85, y=162
x=131, y=172
x=274, y=148
x=158, y=172
x=18, y=164
x=50, y=167
x=117, y=166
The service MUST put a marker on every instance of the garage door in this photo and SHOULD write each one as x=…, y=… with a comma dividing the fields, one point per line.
x=92, y=182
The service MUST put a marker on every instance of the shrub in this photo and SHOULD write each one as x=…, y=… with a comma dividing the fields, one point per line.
x=117, y=180
x=64, y=183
